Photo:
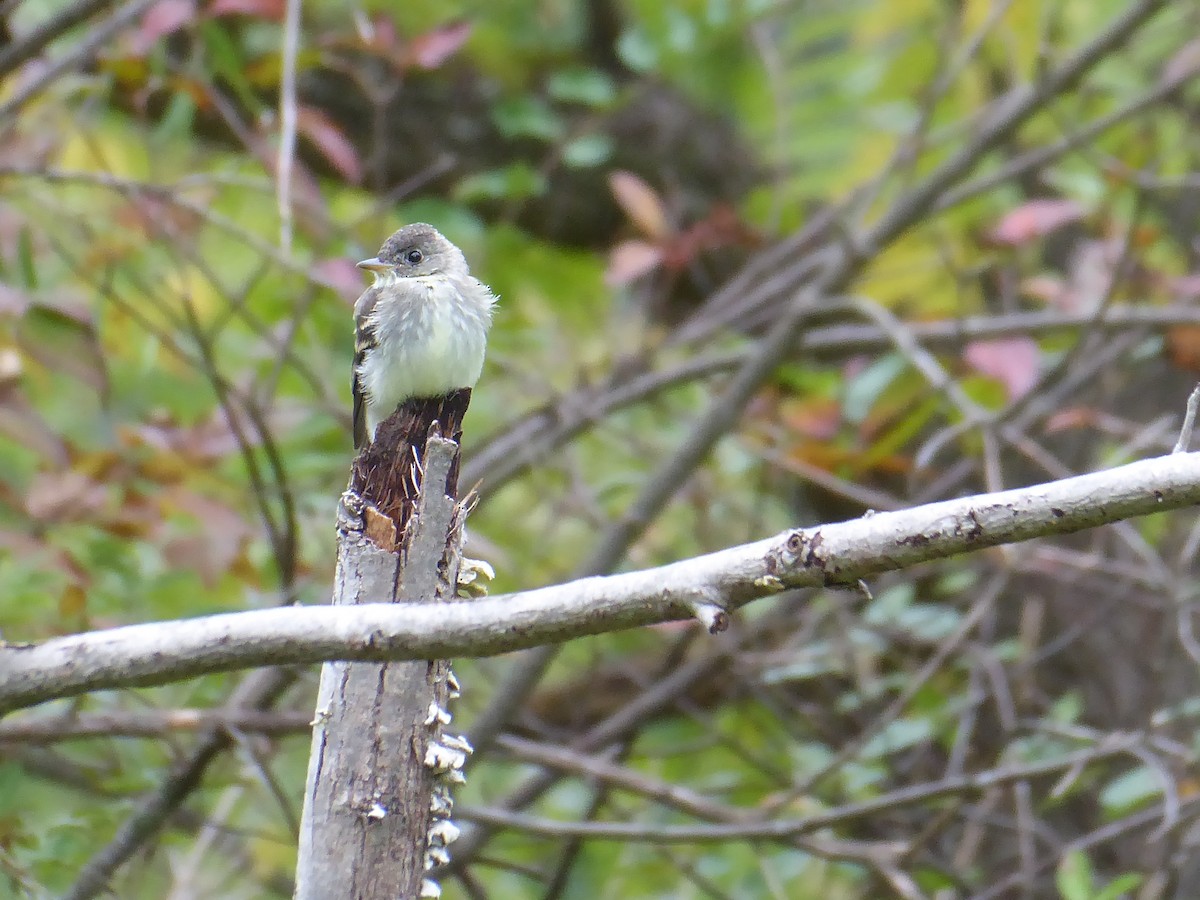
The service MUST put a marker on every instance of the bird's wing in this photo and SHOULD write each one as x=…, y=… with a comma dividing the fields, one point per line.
x=364, y=340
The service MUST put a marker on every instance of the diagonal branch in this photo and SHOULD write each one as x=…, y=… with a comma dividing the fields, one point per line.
x=81, y=54
x=46, y=32
x=841, y=553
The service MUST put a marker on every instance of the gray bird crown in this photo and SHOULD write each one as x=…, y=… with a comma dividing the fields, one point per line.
x=420, y=249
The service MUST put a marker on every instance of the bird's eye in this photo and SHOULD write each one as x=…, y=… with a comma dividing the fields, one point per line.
x=412, y=257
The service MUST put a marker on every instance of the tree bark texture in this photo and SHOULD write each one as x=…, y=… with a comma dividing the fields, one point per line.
x=376, y=812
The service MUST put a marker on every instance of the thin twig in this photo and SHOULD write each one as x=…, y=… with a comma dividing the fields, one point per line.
x=1189, y=422
x=287, y=123
x=79, y=55
x=788, y=829
x=32, y=43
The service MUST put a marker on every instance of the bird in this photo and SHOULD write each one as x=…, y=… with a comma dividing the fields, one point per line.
x=420, y=330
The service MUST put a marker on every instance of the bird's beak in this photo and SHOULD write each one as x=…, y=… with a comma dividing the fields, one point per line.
x=374, y=265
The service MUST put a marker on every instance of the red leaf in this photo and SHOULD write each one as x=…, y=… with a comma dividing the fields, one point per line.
x=1089, y=274
x=341, y=275
x=1034, y=220
x=1049, y=289
x=1013, y=361
x=720, y=228
x=815, y=418
x=161, y=19
x=210, y=440
x=384, y=34
x=272, y=10
x=21, y=424
x=641, y=203
x=1073, y=417
x=63, y=338
x=211, y=549
x=13, y=302
x=64, y=497
x=329, y=139
x=1183, y=347
x=18, y=543
x=155, y=215
x=1185, y=287
x=431, y=49
x=1184, y=64
x=629, y=261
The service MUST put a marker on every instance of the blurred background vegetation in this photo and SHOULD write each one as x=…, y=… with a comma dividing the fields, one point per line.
x=643, y=184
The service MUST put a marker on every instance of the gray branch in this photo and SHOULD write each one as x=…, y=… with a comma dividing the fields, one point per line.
x=823, y=555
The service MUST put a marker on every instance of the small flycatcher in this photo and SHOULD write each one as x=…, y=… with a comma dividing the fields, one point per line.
x=420, y=330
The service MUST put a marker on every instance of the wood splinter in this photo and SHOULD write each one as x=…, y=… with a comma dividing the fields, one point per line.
x=389, y=471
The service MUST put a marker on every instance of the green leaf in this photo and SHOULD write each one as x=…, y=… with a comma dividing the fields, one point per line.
x=1119, y=886
x=896, y=608
x=1184, y=709
x=1074, y=877
x=637, y=51
x=588, y=151
x=178, y=120
x=1134, y=789
x=1067, y=709
x=227, y=62
x=899, y=735
x=682, y=34
x=889, y=604
x=930, y=622
x=866, y=388
x=516, y=182
x=586, y=86
x=820, y=658
x=531, y=117
x=25, y=259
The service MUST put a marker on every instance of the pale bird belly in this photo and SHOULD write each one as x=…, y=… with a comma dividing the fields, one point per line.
x=430, y=354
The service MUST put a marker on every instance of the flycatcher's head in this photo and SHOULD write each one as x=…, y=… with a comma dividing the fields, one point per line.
x=416, y=250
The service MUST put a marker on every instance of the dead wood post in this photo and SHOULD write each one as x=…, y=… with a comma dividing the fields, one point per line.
x=377, y=802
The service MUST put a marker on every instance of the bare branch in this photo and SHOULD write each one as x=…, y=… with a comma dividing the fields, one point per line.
x=260, y=691
x=46, y=32
x=287, y=124
x=786, y=829
x=148, y=724
x=827, y=554
x=80, y=54
x=1189, y=422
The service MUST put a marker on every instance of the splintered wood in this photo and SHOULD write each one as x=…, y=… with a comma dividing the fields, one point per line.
x=388, y=473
